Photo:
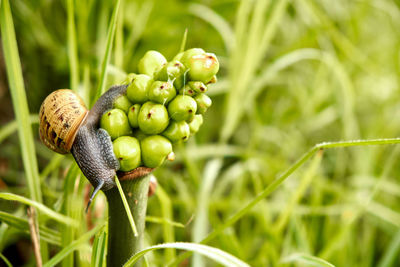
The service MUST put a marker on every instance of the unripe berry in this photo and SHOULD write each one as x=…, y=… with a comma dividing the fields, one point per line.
x=153, y=118
x=155, y=149
x=197, y=86
x=137, y=91
x=150, y=62
x=128, y=79
x=187, y=90
x=195, y=124
x=177, y=131
x=170, y=71
x=178, y=56
x=203, y=103
x=133, y=114
x=115, y=122
x=122, y=102
x=182, y=108
x=185, y=57
x=161, y=92
x=127, y=151
x=202, y=67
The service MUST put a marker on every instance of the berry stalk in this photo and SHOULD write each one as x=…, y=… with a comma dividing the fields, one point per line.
x=122, y=243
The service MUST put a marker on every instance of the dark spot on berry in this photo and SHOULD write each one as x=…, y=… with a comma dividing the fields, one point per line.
x=177, y=64
x=149, y=115
x=210, y=57
x=190, y=91
x=133, y=108
x=109, y=114
x=202, y=89
x=120, y=158
x=190, y=111
x=183, y=138
x=162, y=87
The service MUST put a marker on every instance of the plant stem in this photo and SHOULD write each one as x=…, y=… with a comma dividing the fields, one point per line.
x=122, y=244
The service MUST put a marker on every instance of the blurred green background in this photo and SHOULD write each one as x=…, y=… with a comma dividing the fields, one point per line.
x=293, y=74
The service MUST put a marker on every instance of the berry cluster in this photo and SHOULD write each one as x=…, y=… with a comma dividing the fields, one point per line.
x=163, y=105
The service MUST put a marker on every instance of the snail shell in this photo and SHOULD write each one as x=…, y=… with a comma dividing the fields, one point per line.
x=61, y=114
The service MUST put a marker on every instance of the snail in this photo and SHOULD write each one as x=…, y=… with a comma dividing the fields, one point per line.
x=66, y=126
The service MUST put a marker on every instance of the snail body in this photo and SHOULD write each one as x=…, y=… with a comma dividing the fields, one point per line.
x=66, y=126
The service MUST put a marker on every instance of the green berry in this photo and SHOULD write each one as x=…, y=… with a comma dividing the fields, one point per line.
x=138, y=89
x=115, y=122
x=153, y=118
x=170, y=71
x=177, y=131
x=187, y=90
x=129, y=78
x=155, y=149
x=122, y=102
x=202, y=67
x=203, y=103
x=198, y=86
x=185, y=58
x=133, y=114
x=150, y=62
x=127, y=151
x=161, y=92
x=195, y=124
x=182, y=108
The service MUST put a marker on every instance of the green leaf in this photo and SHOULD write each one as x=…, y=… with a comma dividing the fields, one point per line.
x=49, y=235
x=75, y=245
x=106, y=59
x=308, y=259
x=42, y=208
x=99, y=249
x=213, y=253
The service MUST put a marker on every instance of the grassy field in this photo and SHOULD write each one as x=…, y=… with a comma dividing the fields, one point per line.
x=273, y=177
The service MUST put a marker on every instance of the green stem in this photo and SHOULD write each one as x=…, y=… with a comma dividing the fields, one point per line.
x=122, y=243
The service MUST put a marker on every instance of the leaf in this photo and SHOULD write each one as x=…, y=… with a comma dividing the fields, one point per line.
x=75, y=245
x=99, y=249
x=42, y=208
x=49, y=235
x=213, y=253
x=308, y=259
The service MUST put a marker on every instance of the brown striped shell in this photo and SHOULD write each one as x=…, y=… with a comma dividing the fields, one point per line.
x=61, y=115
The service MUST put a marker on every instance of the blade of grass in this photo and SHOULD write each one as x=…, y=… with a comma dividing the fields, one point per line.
x=166, y=213
x=47, y=234
x=213, y=253
x=110, y=40
x=218, y=22
x=99, y=249
x=162, y=220
x=183, y=43
x=42, y=208
x=126, y=206
x=75, y=245
x=12, y=126
x=7, y=262
x=201, y=225
x=389, y=257
x=307, y=259
x=281, y=178
x=72, y=46
x=21, y=110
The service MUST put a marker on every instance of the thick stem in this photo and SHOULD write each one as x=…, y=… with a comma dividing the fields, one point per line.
x=122, y=244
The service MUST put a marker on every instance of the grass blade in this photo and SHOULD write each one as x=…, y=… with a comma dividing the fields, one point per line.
x=307, y=259
x=19, y=100
x=42, y=208
x=75, y=245
x=391, y=253
x=72, y=46
x=12, y=126
x=107, y=54
x=99, y=249
x=126, y=206
x=213, y=253
x=7, y=262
